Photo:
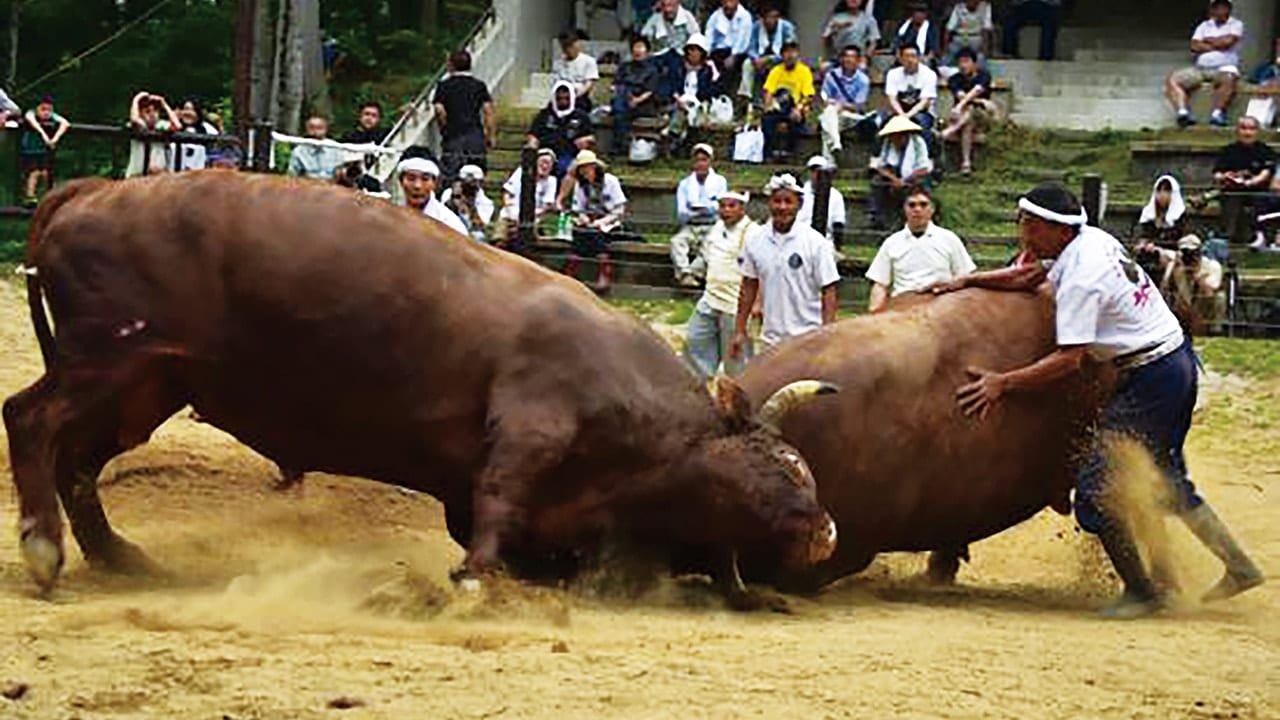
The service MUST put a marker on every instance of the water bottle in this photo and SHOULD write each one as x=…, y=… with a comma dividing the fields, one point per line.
x=564, y=230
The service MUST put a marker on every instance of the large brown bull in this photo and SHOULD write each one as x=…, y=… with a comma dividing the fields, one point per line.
x=897, y=463
x=331, y=332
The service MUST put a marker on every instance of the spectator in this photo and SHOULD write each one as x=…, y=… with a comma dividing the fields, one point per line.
x=1045, y=13
x=972, y=109
x=1163, y=220
x=851, y=25
x=969, y=26
x=788, y=97
x=1266, y=75
x=352, y=174
x=769, y=36
x=903, y=162
x=1243, y=172
x=575, y=66
x=845, y=90
x=710, y=329
x=635, y=88
x=696, y=212
x=1190, y=283
x=792, y=266
x=464, y=112
x=598, y=205
x=918, y=32
x=369, y=128
x=545, y=193
x=191, y=118
x=1216, y=44
x=836, y=218
x=911, y=88
x=562, y=126
x=8, y=108
x=691, y=82
x=419, y=178
x=1267, y=229
x=917, y=256
x=315, y=161
x=669, y=27
x=1266, y=79
x=39, y=141
x=150, y=156
x=467, y=200
x=729, y=34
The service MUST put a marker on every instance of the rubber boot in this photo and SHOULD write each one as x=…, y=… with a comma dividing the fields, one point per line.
x=604, y=274
x=1242, y=574
x=571, y=266
x=1139, y=598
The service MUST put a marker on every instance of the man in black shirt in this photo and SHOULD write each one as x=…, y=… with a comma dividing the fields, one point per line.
x=1243, y=173
x=563, y=127
x=464, y=110
x=971, y=90
x=368, y=127
x=635, y=87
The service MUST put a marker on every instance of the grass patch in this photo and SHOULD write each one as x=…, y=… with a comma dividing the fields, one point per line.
x=1254, y=359
x=671, y=312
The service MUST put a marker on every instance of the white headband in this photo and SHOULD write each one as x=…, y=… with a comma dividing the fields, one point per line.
x=741, y=197
x=1026, y=205
x=419, y=164
x=785, y=181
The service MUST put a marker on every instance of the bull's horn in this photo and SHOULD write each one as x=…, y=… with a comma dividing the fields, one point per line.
x=792, y=396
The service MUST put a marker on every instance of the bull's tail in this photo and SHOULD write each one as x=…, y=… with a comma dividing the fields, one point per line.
x=35, y=294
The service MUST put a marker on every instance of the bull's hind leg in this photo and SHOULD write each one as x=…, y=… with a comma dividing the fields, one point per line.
x=944, y=564
x=28, y=417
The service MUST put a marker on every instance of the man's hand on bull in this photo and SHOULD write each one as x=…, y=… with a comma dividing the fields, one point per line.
x=943, y=287
x=978, y=397
x=737, y=345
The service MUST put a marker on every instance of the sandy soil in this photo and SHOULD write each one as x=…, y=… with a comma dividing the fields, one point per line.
x=295, y=606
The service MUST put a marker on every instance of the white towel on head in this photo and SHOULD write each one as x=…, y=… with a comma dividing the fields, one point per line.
x=1177, y=206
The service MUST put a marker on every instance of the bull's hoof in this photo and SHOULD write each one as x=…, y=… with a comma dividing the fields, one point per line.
x=758, y=601
x=43, y=559
x=289, y=480
x=942, y=568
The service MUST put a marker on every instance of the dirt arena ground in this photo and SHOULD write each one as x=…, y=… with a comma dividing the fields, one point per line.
x=333, y=603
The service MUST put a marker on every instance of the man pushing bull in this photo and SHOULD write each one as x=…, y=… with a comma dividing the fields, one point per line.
x=1109, y=310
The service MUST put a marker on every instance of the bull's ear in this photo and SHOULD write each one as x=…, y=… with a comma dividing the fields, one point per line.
x=733, y=402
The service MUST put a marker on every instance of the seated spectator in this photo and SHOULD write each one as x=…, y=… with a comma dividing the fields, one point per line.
x=851, y=24
x=691, y=82
x=1216, y=44
x=972, y=109
x=1045, y=13
x=696, y=212
x=710, y=329
x=903, y=163
x=788, y=98
x=562, y=126
x=1267, y=218
x=545, y=194
x=1163, y=220
x=969, y=26
x=669, y=27
x=845, y=90
x=1265, y=75
x=918, y=32
x=369, y=128
x=1190, y=283
x=598, y=205
x=467, y=200
x=1243, y=173
x=464, y=111
x=1266, y=81
x=315, y=161
x=635, y=93
x=44, y=128
x=150, y=156
x=191, y=117
x=911, y=89
x=917, y=256
x=419, y=178
x=8, y=109
x=729, y=35
x=769, y=35
x=575, y=66
x=836, y=218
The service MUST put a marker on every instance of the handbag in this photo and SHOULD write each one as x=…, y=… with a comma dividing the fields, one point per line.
x=721, y=110
x=748, y=145
x=1263, y=110
x=642, y=151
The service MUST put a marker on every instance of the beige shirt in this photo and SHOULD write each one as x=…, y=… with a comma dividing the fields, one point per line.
x=906, y=263
x=721, y=248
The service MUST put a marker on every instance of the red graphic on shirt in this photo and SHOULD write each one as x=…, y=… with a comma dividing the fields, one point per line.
x=1143, y=294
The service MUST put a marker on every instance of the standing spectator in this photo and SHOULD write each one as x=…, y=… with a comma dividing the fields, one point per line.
x=794, y=268
x=1045, y=13
x=545, y=193
x=562, y=126
x=696, y=212
x=669, y=27
x=1191, y=284
x=911, y=89
x=916, y=257
x=191, y=118
x=369, y=128
x=851, y=24
x=918, y=32
x=150, y=156
x=969, y=26
x=44, y=128
x=467, y=200
x=1243, y=173
x=711, y=326
x=836, y=218
x=1163, y=220
x=845, y=90
x=598, y=205
x=419, y=178
x=788, y=97
x=575, y=66
x=902, y=163
x=729, y=34
x=464, y=111
x=1216, y=44
x=972, y=109
x=769, y=36
x=691, y=82
x=635, y=93
x=315, y=161
x=8, y=108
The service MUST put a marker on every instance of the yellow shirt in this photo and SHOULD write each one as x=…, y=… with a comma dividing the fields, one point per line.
x=797, y=81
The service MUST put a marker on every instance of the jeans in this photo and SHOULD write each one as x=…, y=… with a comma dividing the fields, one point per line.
x=707, y=341
x=775, y=139
x=1153, y=405
x=455, y=152
x=1033, y=12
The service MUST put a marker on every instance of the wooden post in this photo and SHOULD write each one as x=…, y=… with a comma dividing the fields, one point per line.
x=1091, y=198
x=242, y=74
x=262, y=146
x=528, y=189
x=821, y=201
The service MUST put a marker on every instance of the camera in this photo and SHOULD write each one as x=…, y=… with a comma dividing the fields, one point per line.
x=1189, y=257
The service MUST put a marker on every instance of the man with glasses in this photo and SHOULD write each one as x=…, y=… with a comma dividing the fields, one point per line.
x=916, y=257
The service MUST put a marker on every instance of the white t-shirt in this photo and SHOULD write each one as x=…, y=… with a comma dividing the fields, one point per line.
x=721, y=247
x=906, y=263
x=793, y=268
x=1106, y=301
x=897, y=81
x=835, y=207
x=1221, y=60
x=544, y=195
x=579, y=71
x=611, y=195
x=484, y=206
x=436, y=210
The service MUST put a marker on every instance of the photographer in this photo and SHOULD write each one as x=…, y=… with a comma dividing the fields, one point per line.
x=467, y=200
x=1190, y=283
x=352, y=175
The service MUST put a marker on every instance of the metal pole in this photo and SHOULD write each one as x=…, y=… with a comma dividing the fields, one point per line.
x=821, y=201
x=1091, y=197
x=528, y=188
x=1233, y=291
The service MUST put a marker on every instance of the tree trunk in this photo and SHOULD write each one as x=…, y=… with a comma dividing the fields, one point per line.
x=15, y=20
x=431, y=17
x=289, y=66
x=262, y=73
x=242, y=96
x=315, y=86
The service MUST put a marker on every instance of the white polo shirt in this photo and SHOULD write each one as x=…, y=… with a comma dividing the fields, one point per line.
x=1227, y=61
x=835, y=207
x=906, y=263
x=793, y=268
x=1106, y=301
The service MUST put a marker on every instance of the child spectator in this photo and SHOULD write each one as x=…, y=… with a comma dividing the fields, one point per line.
x=562, y=126
x=973, y=109
x=635, y=88
x=969, y=26
x=598, y=204
x=845, y=89
x=903, y=162
x=44, y=128
x=788, y=96
x=729, y=35
x=769, y=35
x=191, y=119
x=851, y=25
x=918, y=32
x=150, y=113
x=575, y=66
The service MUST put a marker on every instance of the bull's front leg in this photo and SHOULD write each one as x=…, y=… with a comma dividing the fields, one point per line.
x=741, y=598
